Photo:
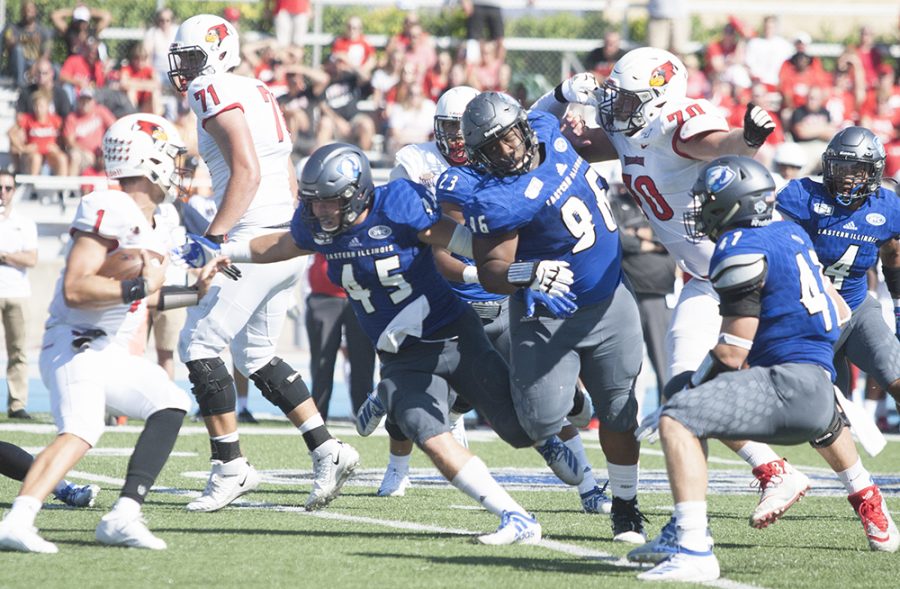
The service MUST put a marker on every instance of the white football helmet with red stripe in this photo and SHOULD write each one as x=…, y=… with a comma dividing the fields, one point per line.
x=204, y=44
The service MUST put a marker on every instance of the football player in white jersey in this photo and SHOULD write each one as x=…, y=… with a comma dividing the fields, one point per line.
x=662, y=138
x=84, y=359
x=246, y=145
x=424, y=163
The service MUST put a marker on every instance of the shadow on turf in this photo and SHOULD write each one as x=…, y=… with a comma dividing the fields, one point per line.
x=585, y=566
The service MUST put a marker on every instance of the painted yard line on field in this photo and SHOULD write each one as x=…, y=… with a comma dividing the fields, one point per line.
x=111, y=452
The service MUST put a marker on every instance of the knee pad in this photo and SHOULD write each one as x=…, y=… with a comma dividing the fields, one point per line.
x=212, y=386
x=394, y=431
x=619, y=414
x=281, y=385
x=838, y=422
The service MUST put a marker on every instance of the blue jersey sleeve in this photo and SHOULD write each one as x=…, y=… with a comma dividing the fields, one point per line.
x=411, y=205
x=793, y=201
x=300, y=232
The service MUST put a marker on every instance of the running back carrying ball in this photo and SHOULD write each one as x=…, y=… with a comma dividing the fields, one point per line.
x=126, y=264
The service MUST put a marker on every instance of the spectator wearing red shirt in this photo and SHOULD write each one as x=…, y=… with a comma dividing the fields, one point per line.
x=869, y=56
x=892, y=162
x=35, y=138
x=800, y=73
x=490, y=73
x=885, y=96
x=291, y=19
x=437, y=79
x=84, y=69
x=359, y=53
x=328, y=313
x=842, y=103
x=83, y=131
x=724, y=51
x=139, y=81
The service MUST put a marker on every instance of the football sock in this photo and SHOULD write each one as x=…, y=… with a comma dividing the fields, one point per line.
x=151, y=452
x=756, y=454
x=242, y=404
x=399, y=463
x=314, y=432
x=577, y=447
x=856, y=478
x=24, y=509
x=623, y=480
x=225, y=448
x=691, y=523
x=476, y=481
x=14, y=461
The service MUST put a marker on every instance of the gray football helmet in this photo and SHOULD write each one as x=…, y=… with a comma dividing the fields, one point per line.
x=731, y=191
x=499, y=139
x=336, y=172
x=853, y=165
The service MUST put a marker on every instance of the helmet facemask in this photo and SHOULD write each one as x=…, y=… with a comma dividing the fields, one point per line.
x=620, y=110
x=185, y=64
x=449, y=139
x=849, y=180
x=510, y=153
x=352, y=201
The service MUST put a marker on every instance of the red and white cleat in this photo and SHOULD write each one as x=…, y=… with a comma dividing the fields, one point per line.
x=781, y=486
x=876, y=520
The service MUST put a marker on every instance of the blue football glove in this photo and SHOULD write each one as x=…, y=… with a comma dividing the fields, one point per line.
x=198, y=251
x=561, y=307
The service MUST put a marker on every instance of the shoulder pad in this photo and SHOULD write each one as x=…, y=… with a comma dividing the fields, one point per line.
x=739, y=272
x=703, y=118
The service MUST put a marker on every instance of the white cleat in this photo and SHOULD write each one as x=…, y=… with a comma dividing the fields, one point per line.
x=333, y=464
x=127, y=530
x=561, y=460
x=370, y=414
x=227, y=482
x=685, y=566
x=515, y=528
x=394, y=483
x=596, y=501
x=781, y=486
x=881, y=532
x=458, y=429
x=24, y=539
x=78, y=495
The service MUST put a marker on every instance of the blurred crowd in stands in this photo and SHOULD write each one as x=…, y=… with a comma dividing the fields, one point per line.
x=385, y=99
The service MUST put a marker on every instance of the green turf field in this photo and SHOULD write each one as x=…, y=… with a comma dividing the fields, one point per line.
x=424, y=539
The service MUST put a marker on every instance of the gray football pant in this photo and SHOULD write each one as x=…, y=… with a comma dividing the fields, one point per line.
x=602, y=343
x=783, y=404
x=868, y=342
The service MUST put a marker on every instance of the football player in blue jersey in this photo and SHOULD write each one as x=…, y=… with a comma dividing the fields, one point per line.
x=378, y=245
x=779, y=318
x=424, y=163
x=850, y=219
x=527, y=197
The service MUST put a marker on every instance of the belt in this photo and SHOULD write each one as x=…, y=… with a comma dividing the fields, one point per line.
x=488, y=309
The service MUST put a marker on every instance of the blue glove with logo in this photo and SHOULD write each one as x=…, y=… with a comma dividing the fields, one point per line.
x=198, y=251
x=561, y=306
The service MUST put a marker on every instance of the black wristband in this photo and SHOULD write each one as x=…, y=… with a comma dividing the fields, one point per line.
x=558, y=95
x=134, y=289
x=216, y=239
x=174, y=297
x=521, y=273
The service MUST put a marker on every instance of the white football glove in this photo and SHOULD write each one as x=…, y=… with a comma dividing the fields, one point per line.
x=580, y=89
x=552, y=277
x=648, y=431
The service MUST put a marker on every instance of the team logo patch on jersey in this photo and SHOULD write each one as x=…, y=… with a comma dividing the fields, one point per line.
x=380, y=232
x=718, y=178
x=875, y=219
x=760, y=207
x=661, y=75
x=561, y=169
x=216, y=34
x=533, y=190
x=560, y=144
x=824, y=209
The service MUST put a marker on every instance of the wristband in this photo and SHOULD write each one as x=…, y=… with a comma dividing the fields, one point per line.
x=521, y=273
x=558, y=94
x=470, y=275
x=174, y=297
x=237, y=251
x=134, y=289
